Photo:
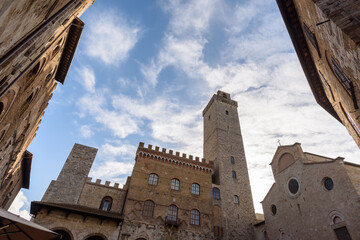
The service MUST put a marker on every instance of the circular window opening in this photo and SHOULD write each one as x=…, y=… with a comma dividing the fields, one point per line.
x=328, y=183
x=293, y=186
x=273, y=209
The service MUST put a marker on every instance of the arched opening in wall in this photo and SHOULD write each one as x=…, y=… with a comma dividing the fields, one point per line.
x=1, y=107
x=106, y=203
x=64, y=234
x=95, y=238
x=285, y=161
x=57, y=48
x=2, y=82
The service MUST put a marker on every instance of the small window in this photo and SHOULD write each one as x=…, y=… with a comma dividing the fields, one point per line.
x=232, y=160
x=148, y=210
x=153, y=179
x=106, y=203
x=216, y=193
x=233, y=174
x=175, y=184
x=341, y=76
x=328, y=183
x=195, y=189
x=293, y=186
x=236, y=199
x=195, y=217
x=172, y=213
x=273, y=209
x=311, y=36
x=209, y=117
x=227, y=112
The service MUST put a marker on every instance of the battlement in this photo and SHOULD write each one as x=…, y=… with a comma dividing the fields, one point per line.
x=106, y=184
x=169, y=155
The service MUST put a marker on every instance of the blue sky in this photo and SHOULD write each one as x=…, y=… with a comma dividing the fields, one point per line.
x=144, y=70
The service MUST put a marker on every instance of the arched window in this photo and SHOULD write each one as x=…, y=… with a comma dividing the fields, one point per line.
x=232, y=160
x=236, y=199
x=64, y=234
x=153, y=179
x=175, y=184
x=195, y=189
x=195, y=217
x=106, y=203
x=95, y=238
x=216, y=193
x=148, y=210
x=233, y=174
x=172, y=213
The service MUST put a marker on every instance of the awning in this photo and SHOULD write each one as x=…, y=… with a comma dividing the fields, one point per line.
x=14, y=227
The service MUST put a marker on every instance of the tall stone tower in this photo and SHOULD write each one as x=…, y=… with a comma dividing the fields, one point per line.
x=223, y=144
x=70, y=182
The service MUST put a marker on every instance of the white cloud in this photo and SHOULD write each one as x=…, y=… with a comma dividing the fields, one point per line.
x=112, y=170
x=121, y=125
x=117, y=149
x=86, y=77
x=18, y=205
x=110, y=37
x=86, y=131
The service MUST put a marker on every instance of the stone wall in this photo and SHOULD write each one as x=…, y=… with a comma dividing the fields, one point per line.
x=334, y=51
x=78, y=226
x=33, y=36
x=93, y=192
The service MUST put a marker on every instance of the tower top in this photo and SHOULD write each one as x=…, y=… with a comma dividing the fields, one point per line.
x=222, y=97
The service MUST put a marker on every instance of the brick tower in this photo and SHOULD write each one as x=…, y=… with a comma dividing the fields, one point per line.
x=223, y=144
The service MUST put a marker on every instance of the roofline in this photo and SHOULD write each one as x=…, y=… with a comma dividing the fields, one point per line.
x=26, y=169
x=70, y=46
x=293, y=25
x=352, y=164
x=37, y=206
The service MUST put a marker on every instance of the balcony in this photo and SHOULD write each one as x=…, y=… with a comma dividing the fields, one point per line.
x=172, y=222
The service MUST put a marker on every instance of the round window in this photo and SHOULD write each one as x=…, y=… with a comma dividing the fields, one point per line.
x=273, y=209
x=328, y=183
x=293, y=186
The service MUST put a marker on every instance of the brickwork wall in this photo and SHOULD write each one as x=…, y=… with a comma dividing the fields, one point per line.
x=334, y=43
x=309, y=212
x=168, y=166
x=223, y=139
x=71, y=180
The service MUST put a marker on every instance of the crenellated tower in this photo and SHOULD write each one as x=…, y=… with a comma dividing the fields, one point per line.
x=223, y=144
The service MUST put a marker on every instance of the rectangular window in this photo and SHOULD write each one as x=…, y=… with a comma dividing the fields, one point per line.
x=311, y=36
x=353, y=124
x=326, y=84
x=344, y=80
x=342, y=233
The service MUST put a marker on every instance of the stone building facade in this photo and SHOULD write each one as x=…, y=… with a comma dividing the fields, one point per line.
x=313, y=197
x=168, y=196
x=38, y=41
x=326, y=37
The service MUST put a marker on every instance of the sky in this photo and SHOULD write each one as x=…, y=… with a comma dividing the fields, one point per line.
x=143, y=72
